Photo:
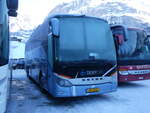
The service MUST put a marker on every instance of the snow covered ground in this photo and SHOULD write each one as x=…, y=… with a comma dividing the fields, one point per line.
x=131, y=97
x=4, y=87
x=16, y=49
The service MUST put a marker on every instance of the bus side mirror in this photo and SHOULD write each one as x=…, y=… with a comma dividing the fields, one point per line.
x=12, y=13
x=147, y=40
x=55, y=27
x=12, y=6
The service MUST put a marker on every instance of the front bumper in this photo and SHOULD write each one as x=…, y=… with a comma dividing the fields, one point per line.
x=74, y=91
x=126, y=78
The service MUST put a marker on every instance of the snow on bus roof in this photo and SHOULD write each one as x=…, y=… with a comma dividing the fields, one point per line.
x=73, y=15
x=127, y=27
x=135, y=28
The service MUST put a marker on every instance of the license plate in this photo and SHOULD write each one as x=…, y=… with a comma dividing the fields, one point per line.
x=93, y=90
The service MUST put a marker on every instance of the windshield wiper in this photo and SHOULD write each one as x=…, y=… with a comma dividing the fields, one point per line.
x=109, y=70
x=90, y=63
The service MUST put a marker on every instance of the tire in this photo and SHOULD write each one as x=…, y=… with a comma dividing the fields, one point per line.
x=27, y=73
x=40, y=76
x=12, y=4
x=41, y=83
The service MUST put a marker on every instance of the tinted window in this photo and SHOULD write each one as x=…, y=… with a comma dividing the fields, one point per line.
x=82, y=39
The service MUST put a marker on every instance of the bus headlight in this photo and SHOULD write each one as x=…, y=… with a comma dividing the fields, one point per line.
x=123, y=72
x=64, y=83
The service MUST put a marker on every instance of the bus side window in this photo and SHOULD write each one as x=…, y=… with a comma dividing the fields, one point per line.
x=141, y=38
x=147, y=42
x=50, y=50
x=119, y=38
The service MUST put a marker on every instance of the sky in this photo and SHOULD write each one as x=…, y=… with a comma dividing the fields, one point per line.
x=37, y=10
x=31, y=13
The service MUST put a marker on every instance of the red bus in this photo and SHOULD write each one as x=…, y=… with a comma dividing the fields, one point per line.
x=133, y=50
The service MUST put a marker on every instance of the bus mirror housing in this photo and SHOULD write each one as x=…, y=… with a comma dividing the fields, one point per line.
x=55, y=27
x=12, y=6
x=12, y=13
x=147, y=41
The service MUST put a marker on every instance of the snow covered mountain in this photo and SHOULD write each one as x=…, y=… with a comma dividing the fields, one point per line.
x=21, y=27
x=135, y=13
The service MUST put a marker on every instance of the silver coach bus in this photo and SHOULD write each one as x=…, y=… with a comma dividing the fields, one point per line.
x=72, y=55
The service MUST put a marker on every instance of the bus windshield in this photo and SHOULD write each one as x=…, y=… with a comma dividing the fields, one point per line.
x=135, y=49
x=87, y=40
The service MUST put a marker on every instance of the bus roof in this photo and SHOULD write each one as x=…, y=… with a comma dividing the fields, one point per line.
x=72, y=16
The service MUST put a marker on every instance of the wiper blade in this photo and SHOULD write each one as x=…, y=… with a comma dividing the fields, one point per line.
x=89, y=63
x=109, y=70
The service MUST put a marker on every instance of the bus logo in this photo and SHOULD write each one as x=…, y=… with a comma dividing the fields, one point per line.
x=84, y=73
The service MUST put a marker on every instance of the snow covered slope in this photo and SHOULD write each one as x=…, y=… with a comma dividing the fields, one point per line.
x=134, y=13
x=4, y=86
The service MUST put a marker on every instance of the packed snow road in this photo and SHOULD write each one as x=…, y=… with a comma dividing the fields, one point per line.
x=131, y=97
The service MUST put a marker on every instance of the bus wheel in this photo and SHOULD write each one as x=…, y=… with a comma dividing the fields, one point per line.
x=40, y=77
x=41, y=83
x=28, y=74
